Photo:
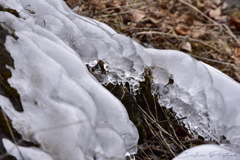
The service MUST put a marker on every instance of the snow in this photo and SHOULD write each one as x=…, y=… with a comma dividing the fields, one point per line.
x=208, y=152
x=64, y=105
x=27, y=153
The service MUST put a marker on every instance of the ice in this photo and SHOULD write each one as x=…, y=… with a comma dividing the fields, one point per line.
x=52, y=87
x=234, y=135
x=64, y=105
x=204, y=95
x=23, y=153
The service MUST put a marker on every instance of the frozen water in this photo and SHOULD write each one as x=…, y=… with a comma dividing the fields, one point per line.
x=234, y=135
x=64, y=105
x=203, y=94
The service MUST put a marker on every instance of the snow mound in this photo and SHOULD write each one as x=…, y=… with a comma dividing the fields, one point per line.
x=64, y=105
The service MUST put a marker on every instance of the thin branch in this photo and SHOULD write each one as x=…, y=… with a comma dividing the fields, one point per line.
x=144, y=152
x=154, y=100
x=231, y=34
x=136, y=4
x=215, y=61
x=178, y=36
x=154, y=122
x=214, y=22
x=196, y=9
x=11, y=132
x=149, y=108
x=169, y=10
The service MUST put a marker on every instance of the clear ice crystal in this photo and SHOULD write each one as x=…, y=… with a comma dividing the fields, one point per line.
x=93, y=63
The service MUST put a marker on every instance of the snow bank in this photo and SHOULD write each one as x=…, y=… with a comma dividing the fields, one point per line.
x=66, y=109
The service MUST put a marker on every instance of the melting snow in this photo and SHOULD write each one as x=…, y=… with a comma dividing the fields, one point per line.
x=67, y=110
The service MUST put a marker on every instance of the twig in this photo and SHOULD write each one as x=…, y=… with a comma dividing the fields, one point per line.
x=156, y=124
x=154, y=132
x=144, y=152
x=136, y=4
x=11, y=132
x=149, y=108
x=115, y=14
x=163, y=139
x=172, y=120
x=152, y=152
x=167, y=145
x=196, y=9
x=155, y=107
x=231, y=34
x=211, y=60
x=169, y=10
x=178, y=36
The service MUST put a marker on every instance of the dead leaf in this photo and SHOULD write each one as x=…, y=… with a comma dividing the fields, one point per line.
x=216, y=57
x=115, y=4
x=225, y=46
x=182, y=30
x=189, y=21
x=214, y=6
x=174, y=15
x=215, y=13
x=137, y=15
x=224, y=6
x=217, y=2
x=186, y=46
x=150, y=19
x=30, y=11
x=185, y=19
x=198, y=33
x=199, y=4
x=236, y=52
x=95, y=2
x=163, y=12
x=235, y=22
x=207, y=3
x=222, y=19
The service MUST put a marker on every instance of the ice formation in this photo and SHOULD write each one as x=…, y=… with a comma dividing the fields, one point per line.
x=64, y=105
